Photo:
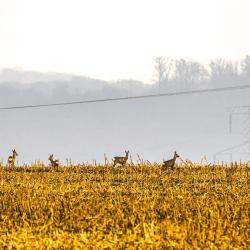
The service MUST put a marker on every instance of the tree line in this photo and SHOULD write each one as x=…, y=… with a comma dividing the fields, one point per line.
x=182, y=74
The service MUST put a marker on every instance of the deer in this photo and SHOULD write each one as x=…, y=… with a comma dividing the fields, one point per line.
x=54, y=163
x=169, y=164
x=121, y=159
x=12, y=158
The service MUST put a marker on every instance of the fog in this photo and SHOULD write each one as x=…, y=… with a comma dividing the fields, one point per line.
x=195, y=125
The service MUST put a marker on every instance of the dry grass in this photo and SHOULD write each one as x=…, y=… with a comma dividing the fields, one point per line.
x=132, y=207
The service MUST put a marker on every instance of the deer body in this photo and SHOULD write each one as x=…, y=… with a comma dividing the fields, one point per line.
x=54, y=163
x=121, y=159
x=12, y=158
x=170, y=163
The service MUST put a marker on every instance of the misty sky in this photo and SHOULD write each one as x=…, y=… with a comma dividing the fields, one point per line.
x=114, y=39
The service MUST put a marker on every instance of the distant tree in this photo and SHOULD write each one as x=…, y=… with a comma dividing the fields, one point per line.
x=223, y=72
x=189, y=73
x=245, y=66
x=163, y=67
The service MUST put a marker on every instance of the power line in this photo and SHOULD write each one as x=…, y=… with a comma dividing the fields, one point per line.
x=129, y=97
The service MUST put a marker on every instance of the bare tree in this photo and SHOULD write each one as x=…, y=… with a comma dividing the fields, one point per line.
x=189, y=73
x=223, y=72
x=163, y=68
x=245, y=66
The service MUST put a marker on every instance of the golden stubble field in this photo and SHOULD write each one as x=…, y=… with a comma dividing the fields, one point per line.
x=131, y=207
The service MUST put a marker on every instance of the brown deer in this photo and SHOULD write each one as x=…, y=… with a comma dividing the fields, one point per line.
x=54, y=163
x=121, y=159
x=170, y=163
x=12, y=158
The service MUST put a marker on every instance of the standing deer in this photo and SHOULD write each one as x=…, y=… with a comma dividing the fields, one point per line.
x=121, y=159
x=170, y=163
x=54, y=163
x=12, y=158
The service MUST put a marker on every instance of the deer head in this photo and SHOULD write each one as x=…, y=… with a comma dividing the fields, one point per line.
x=51, y=158
x=176, y=155
x=14, y=153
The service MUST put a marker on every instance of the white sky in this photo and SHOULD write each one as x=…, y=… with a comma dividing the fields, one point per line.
x=113, y=39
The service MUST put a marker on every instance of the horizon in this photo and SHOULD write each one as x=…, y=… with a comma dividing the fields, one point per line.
x=237, y=62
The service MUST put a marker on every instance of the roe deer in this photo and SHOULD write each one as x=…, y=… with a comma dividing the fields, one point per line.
x=54, y=163
x=170, y=163
x=121, y=159
x=12, y=158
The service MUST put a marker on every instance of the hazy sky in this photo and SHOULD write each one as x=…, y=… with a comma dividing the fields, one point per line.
x=114, y=39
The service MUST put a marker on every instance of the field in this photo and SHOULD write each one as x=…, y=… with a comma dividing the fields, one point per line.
x=138, y=206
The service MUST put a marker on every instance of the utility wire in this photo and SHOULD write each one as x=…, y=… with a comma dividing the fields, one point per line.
x=190, y=92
